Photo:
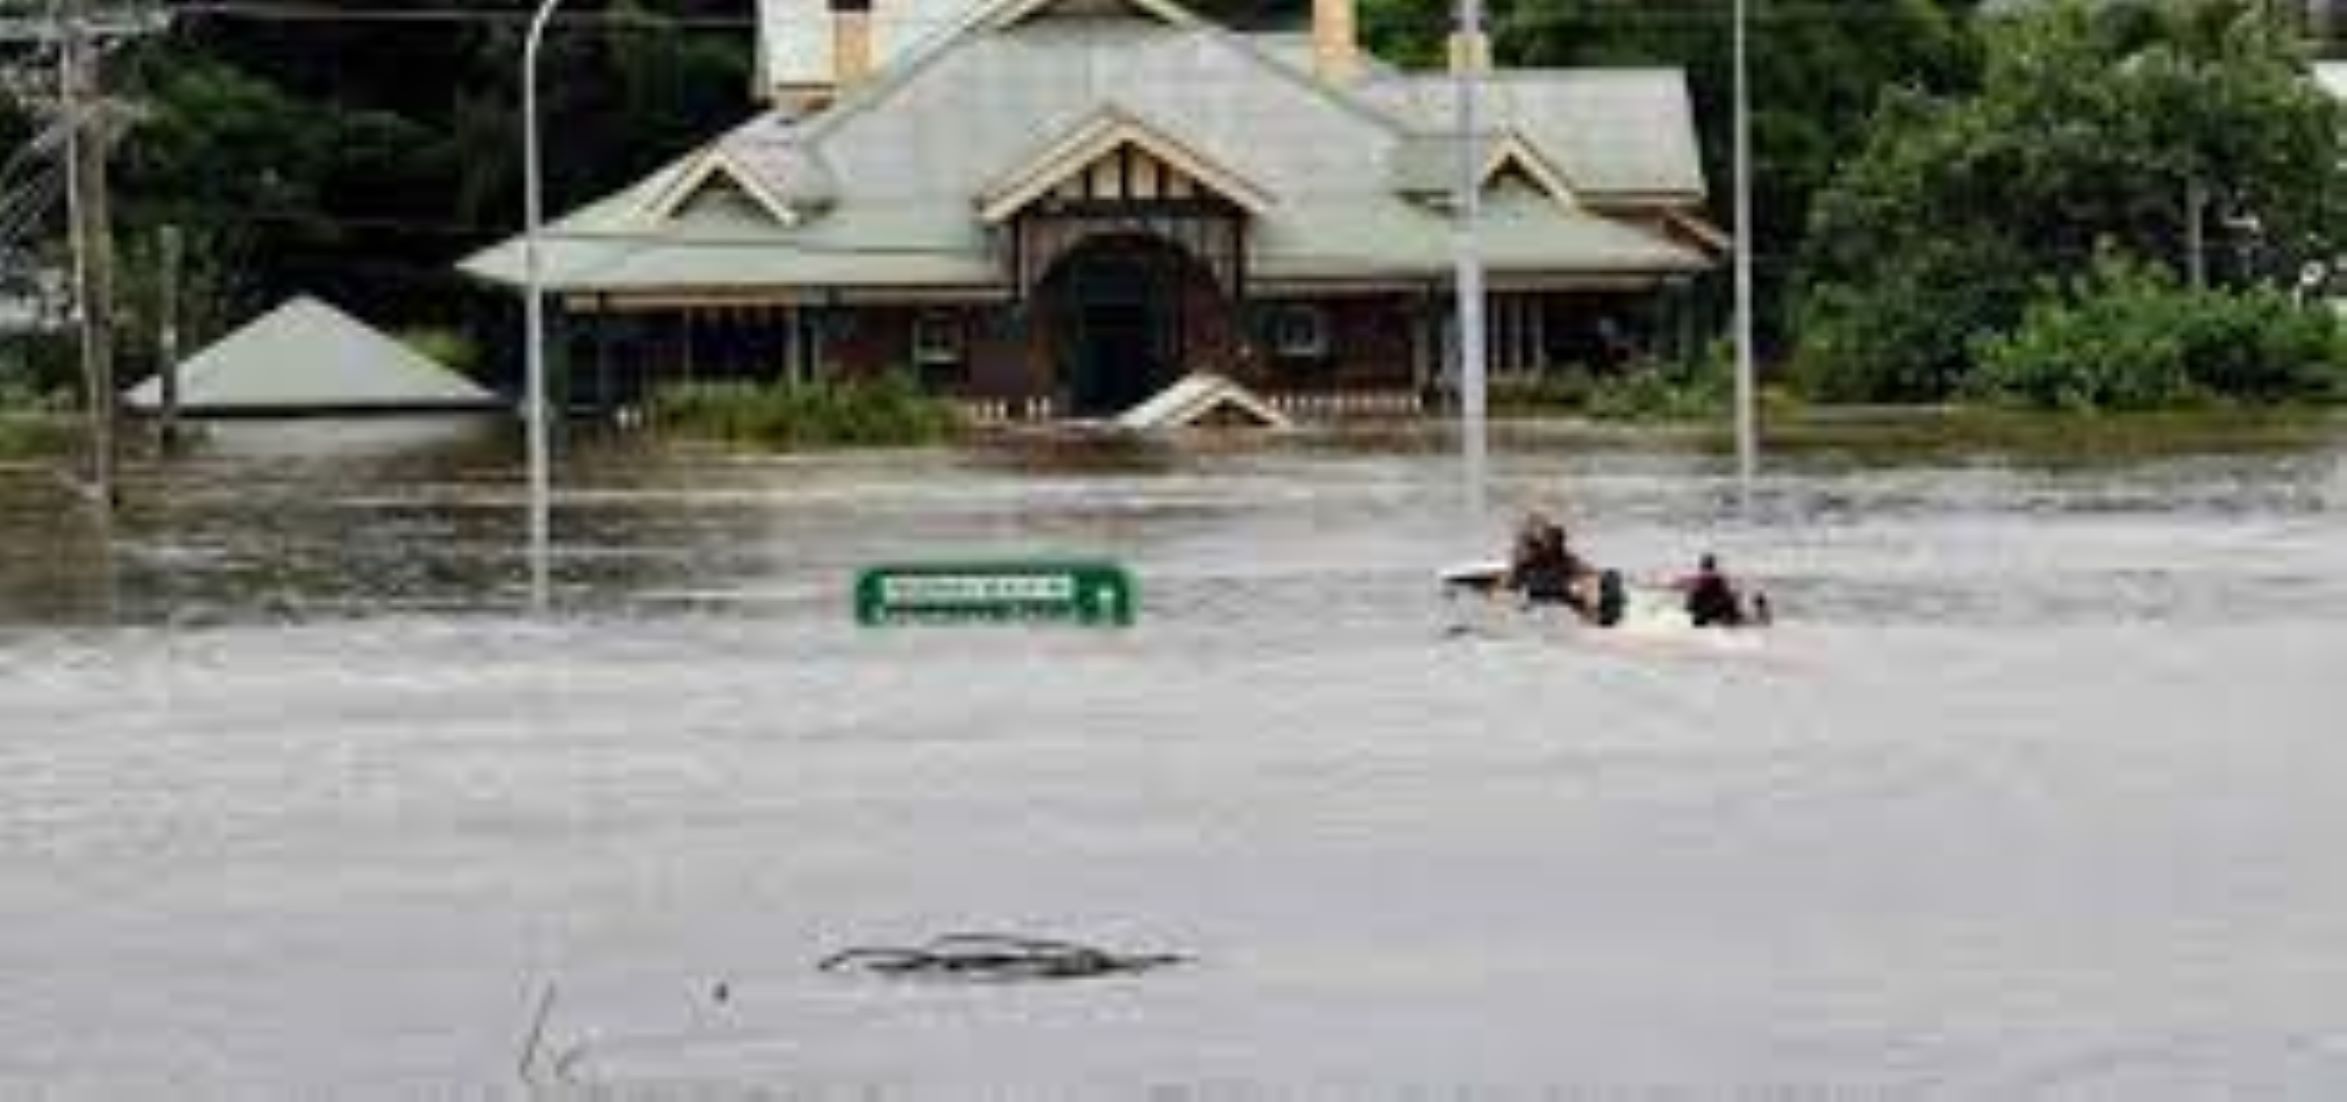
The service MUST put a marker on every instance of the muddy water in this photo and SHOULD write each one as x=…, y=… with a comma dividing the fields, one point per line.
x=2036, y=794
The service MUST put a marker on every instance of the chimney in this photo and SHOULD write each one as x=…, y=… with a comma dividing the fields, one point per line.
x=851, y=42
x=1336, y=44
x=1466, y=54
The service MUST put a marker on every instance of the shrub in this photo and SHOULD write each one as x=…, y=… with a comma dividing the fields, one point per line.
x=2127, y=337
x=31, y=434
x=447, y=347
x=889, y=411
x=1656, y=391
x=1564, y=388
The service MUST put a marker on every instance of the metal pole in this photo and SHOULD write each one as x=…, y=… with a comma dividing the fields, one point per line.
x=167, y=245
x=93, y=242
x=534, y=413
x=1475, y=444
x=1747, y=420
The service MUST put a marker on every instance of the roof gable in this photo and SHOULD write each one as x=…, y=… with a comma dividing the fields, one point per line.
x=1613, y=133
x=1513, y=154
x=717, y=172
x=1110, y=140
x=307, y=354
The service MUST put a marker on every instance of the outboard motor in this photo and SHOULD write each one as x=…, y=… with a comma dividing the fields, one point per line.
x=1612, y=598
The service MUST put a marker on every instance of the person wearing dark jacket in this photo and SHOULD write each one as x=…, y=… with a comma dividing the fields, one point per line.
x=1712, y=600
x=1544, y=568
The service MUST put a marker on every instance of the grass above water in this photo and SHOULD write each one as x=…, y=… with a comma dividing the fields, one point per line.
x=27, y=435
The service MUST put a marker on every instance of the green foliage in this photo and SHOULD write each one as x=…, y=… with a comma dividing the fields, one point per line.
x=1655, y=391
x=2127, y=337
x=1558, y=390
x=2094, y=127
x=25, y=435
x=1818, y=72
x=1907, y=335
x=449, y=348
x=890, y=411
x=356, y=159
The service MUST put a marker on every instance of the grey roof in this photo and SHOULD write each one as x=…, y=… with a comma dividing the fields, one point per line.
x=1294, y=49
x=884, y=183
x=1610, y=131
x=794, y=36
x=308, y=355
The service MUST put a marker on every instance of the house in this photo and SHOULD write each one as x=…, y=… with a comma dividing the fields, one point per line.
x=1065, y=205
x=308, y=358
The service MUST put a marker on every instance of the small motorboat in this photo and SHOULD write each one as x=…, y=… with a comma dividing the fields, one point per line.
x=1622, y=605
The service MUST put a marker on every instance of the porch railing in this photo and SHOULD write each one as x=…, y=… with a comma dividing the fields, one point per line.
x=1302, y=405
x=1345, y=405
x=1009, y=411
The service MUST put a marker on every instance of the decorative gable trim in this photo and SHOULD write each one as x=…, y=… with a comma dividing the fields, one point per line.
x=1516, y=154
x=1171, y=169
x=712, y=168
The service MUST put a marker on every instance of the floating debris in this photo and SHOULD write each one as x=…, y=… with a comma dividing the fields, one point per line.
x=995, y=958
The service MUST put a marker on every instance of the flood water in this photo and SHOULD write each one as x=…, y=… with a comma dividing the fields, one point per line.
x=2038, y=791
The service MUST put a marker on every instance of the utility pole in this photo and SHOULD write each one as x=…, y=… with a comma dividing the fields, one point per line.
x=93, y=236
x=80, y=36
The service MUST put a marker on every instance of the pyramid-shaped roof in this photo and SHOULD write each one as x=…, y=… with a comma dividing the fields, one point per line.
x=307, y=356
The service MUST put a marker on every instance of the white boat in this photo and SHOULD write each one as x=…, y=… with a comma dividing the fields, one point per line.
x=1644, y=610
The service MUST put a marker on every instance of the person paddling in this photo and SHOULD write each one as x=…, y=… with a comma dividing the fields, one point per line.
x=1712, y=600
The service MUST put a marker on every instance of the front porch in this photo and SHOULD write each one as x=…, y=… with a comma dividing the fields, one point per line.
x=1110, y=325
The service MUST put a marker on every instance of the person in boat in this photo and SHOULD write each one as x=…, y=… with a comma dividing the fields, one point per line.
x=1712, y=599
x=1546, y=571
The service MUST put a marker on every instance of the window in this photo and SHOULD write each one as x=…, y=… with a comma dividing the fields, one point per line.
x=1298, y=332
x=938, y=338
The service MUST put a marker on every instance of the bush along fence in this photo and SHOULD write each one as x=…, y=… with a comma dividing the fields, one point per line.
x=888, y=411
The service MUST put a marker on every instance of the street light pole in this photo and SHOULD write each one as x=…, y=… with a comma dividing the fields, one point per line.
x=534, y=415
x=1475, y=445
x=1747, y=420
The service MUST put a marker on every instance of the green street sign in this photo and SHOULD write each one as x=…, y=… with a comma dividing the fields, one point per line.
x=1093, y=594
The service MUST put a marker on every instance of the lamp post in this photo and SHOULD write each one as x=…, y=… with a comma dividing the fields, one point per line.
x=534, y=413
x=1474, y=445
x=1747, y=421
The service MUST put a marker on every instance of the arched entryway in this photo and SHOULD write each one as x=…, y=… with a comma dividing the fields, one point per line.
x=1127, y=315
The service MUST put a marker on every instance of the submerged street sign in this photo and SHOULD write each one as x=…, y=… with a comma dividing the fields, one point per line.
x=1094, y=594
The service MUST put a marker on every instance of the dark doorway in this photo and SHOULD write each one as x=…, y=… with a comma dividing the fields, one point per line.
x=1120, y=304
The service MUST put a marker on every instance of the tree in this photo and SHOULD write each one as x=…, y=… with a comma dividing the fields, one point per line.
x=1819, y=67
x=2182, y=132
x=358, y=158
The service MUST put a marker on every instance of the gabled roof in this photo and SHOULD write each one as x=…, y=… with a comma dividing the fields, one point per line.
x=1624, y=132
x=1426, y=166
x=1104, y=134
x=714, y=168
x=912, y=162
x=2331, y=76
x=307, y=355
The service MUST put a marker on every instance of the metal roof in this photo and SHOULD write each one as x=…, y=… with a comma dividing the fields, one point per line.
x=2332, y=76
x=307, y=355
x=885, y=185
x=1617, y=131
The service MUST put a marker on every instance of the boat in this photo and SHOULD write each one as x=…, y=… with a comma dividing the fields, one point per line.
x=1626, y=607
